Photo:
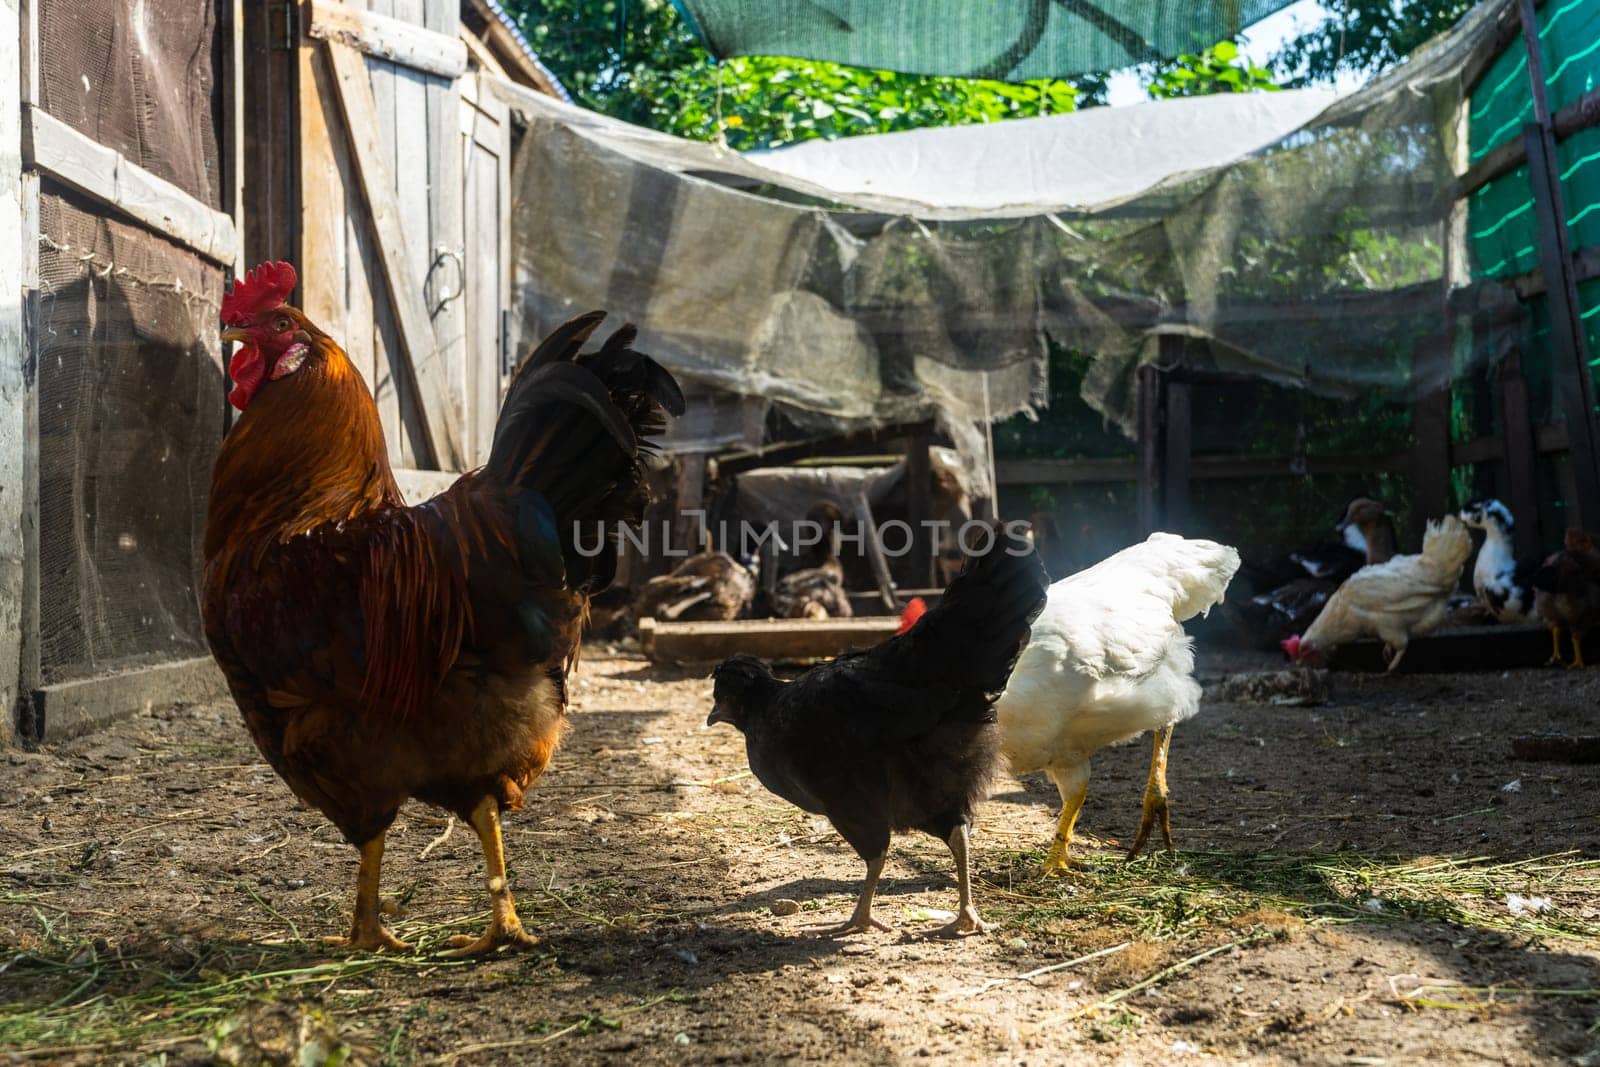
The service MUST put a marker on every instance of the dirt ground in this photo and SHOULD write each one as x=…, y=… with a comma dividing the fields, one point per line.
x=1373, y=879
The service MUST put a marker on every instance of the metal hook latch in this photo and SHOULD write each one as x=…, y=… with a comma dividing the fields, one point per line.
x=440, y=254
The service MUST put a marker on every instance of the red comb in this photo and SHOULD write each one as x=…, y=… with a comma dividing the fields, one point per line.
x=1291, y=645
x=262, y=289
x=914, y=611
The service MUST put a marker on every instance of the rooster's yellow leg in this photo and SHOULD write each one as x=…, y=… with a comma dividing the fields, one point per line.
x=367, y=932
x=1577, y=650
x=1155, y=794
x=1071, y=804
x=1555, y=644
x=504, y=926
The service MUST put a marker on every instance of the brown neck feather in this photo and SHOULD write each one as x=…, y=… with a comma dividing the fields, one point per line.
x=308, y=450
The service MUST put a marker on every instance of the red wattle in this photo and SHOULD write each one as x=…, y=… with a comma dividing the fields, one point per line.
x=247, y=369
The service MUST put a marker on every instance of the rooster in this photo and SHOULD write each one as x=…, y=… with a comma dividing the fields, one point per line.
x=380, y=652
x=1404, y=598
x=1107, y=661
x=901, y=736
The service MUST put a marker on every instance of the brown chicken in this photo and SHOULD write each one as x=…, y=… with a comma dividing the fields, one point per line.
x=380, y=652
x=1566, y=592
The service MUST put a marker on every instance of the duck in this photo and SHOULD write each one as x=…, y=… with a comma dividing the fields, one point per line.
x=707, y=587
x=1503, y=584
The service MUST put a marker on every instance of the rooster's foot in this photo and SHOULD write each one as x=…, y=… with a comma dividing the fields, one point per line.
x=369, y=937
x=965, y=924
x=513, y=937
x=858, y=924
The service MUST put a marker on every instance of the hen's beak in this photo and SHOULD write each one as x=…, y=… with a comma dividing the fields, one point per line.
x=718, y=714
x=237, y=336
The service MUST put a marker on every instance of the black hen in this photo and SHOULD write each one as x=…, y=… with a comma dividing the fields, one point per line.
x=901, y=736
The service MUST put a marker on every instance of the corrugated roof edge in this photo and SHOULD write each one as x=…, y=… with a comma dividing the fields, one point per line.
x=510, y=24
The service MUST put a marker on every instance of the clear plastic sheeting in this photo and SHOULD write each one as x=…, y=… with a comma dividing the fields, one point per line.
x=1314, y=256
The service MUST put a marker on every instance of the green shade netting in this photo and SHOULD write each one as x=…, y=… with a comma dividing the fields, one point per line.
x=1012, y=40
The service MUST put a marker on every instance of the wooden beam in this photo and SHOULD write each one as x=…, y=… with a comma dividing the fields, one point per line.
x=13, y=389
x=388, y=38
x=1430, y=434
x=782, y=455
x=788, y=640
x=106, y=175
x=1506, y=157
x=422, y=362
x=1585, y=268
x=874, y=546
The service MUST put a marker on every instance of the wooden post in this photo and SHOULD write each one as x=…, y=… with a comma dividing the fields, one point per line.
x=1150, y=451
x=13, y=391
x=1521, y=456
x=880, y=565
x=1430, y=434
x=1561, y=288
x=1177, y=438
x=687, y=530
x=919, y=476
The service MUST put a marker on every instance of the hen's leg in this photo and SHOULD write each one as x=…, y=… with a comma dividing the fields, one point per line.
x=861, y=920
x=966, y=920
x=1577, y=649
x=1155, y=794
x=504, y=926
x=367, y=932
x=1555, y=646
x=1073, y=783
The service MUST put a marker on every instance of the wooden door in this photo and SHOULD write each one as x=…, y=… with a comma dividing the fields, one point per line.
x=380, y=209
x=486, y=263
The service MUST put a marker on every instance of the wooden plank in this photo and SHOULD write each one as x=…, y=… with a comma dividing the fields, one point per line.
x=1469, y=648
x=446, y=237
x=688, y=530
x=325, y=175
x=398, y=40
x=1521, y=460
x=787, y=640
x=13, y=389
x=919, y=508
x=71, y=708
x=106, y=175
x=837, y=445
x=438, y=423
x=1215, y=467
x=1506, y=157
x=1585, y=268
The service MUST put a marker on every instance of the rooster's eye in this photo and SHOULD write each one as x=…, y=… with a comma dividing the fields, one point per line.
x=281, y=325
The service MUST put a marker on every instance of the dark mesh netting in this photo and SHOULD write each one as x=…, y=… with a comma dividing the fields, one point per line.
x=137, y=76
x=130, y=402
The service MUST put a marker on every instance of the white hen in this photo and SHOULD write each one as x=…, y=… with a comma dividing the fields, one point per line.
x=1108, y=660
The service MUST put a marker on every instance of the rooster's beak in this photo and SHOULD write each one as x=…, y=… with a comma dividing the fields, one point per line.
x=237, y=336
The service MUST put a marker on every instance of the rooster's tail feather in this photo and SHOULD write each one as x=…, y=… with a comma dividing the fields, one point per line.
x=574, y=430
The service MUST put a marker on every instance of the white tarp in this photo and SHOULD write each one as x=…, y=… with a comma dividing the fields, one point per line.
x=1009, y=169
x=1079, y=160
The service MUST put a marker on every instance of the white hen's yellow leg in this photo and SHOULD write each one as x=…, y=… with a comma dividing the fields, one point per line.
x=1073, y=784
x=367, y=932
x=1155, y=794
x=504, y=926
